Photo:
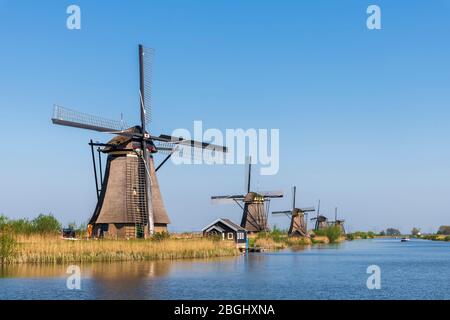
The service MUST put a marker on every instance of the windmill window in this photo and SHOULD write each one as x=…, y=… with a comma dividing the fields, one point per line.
x=230, y=236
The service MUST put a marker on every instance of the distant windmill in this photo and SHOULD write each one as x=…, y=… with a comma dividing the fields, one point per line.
x=338, y=222
x=255, y=205
x=321, y=221
x=298, y=225
x=129, y=201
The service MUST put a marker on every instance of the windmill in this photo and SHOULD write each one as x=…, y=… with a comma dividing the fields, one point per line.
x=321, y=221
x=338, y=222
x=129, y=203
x=298, y=227
x=255, y=205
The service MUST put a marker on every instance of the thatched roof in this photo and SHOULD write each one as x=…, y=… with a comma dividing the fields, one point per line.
x=112, y=206
x=121, y=142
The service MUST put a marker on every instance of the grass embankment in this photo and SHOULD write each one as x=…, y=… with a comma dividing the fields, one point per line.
x=52, y=249
x=278, y=239
x=332, y=234
x=443, y=234
x=360, y=235
x=434, y=237
x=39, y=241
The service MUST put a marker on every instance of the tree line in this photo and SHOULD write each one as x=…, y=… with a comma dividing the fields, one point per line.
x=42, y=224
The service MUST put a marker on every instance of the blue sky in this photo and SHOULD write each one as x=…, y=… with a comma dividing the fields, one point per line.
x=363, y=115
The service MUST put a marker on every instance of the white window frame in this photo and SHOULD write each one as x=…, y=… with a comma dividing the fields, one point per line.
x=230, y=236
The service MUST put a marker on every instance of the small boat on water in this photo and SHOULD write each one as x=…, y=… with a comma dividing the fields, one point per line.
x=405, y=239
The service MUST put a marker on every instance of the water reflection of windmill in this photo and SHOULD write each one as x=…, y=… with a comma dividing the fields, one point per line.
x=129, y=200
x=298, y=227
x=255, y=205
x=321, y=221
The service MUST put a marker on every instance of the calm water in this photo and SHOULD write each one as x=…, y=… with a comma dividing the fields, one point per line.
x=414, y=270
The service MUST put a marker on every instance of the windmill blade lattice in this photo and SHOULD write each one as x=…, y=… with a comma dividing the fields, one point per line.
x=148, y=57
x=189, y=152
x=309, y=209
x=71, y=118
x=289, y=212
x=227, y=199
x=271, y=194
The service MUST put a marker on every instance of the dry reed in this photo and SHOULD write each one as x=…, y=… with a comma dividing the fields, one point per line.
x=50, y=249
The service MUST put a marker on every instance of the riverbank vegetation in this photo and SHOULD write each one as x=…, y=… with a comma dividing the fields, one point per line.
x=444, y=230
x=434, y=237
x=443, y=234
x=39, y=241
x=8, y=245
x=332, y=233
x=51, y=249
x=278, y=239
x=42, y=224
x=360, y=235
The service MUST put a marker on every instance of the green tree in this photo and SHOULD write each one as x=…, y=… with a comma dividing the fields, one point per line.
x=3, y=220
x=72, y=225
x=445, y=230
x=393, y=232
x=350, y=236
x=333, y=233
x=21, y=226
x=276, y=234
x=46, y=224
x=415, y=231
x=8, y=243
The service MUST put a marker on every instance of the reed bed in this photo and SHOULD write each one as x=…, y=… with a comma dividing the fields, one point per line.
x=269, y=244
x=48, y=249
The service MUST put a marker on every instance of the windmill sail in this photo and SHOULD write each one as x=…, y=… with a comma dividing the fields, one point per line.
x=146, y=56
x=287, y=212
x=271, y=194
x=255, y=205
x=248, y=173
x=308, y=209
x=71, y=118
x=130, y=203
x=145, y=89
x=227, y=199
x=298, y=226
x=190, y=143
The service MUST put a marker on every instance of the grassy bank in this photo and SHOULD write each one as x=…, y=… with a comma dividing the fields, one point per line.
x=39, y=241
x=332, y=234
x=434, y=237
x=278, y=239
x=52, y=249
x=360, y=235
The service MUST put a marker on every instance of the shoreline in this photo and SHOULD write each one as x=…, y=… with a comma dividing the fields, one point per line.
x=36, y=249
x=54, y=250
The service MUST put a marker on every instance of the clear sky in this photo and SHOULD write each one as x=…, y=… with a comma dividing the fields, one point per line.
x=364, y=115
